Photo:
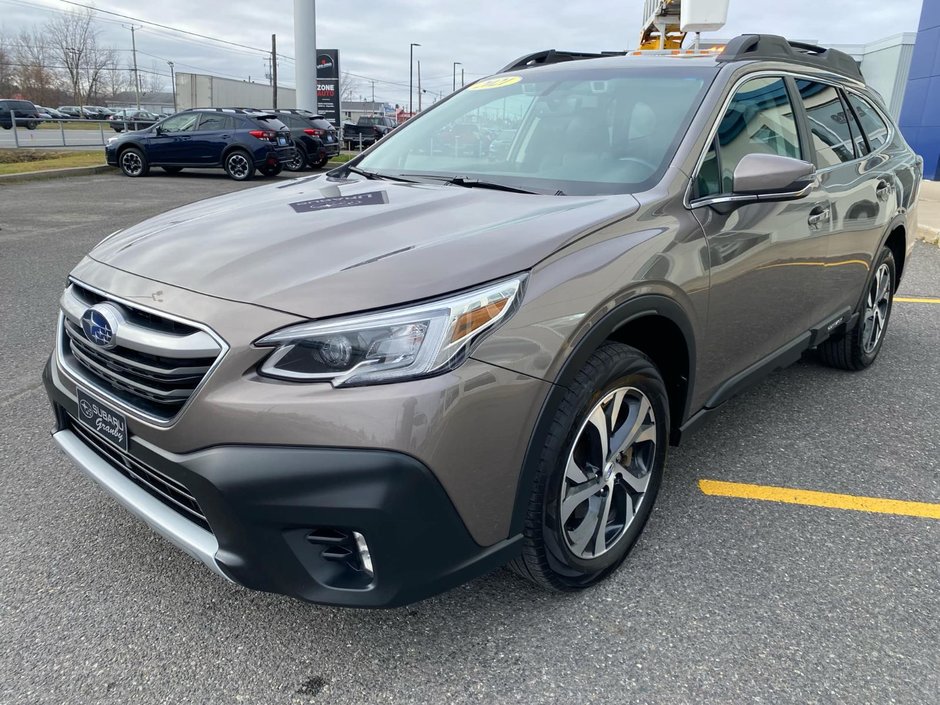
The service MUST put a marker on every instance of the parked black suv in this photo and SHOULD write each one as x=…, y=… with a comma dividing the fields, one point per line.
x=25, y=112
x=314, y=137
x=237, y=140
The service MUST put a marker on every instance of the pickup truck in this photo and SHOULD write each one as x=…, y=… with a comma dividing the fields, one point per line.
x=370, y=128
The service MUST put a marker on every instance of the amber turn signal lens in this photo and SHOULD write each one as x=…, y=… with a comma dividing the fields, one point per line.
x=470, y=321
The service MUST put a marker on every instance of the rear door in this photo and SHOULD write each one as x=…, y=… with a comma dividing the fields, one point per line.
x=213, y=134
x=765, y=257
x=859, y=188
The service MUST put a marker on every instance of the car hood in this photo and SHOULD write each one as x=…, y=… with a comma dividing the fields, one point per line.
x=316, y=247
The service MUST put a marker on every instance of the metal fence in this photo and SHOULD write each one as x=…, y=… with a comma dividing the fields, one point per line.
x=55, y=133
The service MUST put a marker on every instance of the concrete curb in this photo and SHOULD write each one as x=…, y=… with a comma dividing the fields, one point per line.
x=53, y=174
x=928, y=234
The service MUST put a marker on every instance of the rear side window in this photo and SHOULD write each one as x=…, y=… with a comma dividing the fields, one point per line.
x=759, y=120
x=828, y=123
x=873, y=126
x=216, y=122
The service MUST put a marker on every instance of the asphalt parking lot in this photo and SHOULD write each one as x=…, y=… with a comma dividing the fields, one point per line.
x=724, y=600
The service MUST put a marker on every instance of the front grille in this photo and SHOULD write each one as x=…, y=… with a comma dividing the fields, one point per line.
x=157, y=364
x=169, y=491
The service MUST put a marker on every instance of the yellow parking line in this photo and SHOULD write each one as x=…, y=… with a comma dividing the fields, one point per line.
x=788, y=495
x=916, y=300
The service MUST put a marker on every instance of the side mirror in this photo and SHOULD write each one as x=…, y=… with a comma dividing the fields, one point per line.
x=770, y=177
x=158, y=129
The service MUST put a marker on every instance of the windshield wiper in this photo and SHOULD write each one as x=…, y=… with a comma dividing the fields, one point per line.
x=467, y=182
x=371, y=175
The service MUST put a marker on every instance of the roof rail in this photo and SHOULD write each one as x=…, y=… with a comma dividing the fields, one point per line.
x=553, y=56
x=748, y=47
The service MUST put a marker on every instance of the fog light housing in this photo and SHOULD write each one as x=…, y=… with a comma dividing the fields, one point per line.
x=365, y=558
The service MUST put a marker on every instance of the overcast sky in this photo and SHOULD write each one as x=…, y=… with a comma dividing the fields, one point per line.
x=373, y=35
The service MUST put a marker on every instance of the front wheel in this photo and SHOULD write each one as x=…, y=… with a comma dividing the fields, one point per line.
x=271, y=169
x=32, y=125
x=858, y=348
x=299, y=161
x=322, y=163
x=599, y=471
x=133, y=163
x=238, y=166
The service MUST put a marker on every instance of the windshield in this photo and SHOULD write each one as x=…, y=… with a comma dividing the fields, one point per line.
x=581, y=132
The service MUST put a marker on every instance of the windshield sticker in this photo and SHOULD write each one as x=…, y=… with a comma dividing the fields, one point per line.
x=324, y=204
x=500, y=82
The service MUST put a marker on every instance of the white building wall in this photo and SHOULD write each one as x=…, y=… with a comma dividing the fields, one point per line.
x=195, y=90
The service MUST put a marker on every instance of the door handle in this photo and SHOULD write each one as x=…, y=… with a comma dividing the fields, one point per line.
x=818, y=216
x=884, y=190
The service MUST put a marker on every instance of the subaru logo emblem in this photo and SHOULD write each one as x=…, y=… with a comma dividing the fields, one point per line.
x=100, y=323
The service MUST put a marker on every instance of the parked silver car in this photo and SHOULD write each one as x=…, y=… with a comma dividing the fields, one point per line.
x=365, y=387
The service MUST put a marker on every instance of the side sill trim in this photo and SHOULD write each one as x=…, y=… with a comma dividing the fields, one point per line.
x=183, y=534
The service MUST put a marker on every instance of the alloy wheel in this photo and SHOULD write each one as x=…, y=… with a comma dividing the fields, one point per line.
x=608, y=472
x=238, y=166
x=131, y=163
x=876, y=309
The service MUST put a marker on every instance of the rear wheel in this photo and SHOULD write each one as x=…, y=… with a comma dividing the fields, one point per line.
x=271, y=170
x=133, y=162
x=238, y=165
x=858, y=348
x=32, y=125
x=322, y=163
x=599, y=471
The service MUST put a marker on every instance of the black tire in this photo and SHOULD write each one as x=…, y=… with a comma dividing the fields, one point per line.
x=172, y=169
x=322, y=163
x=859, y=348
x=548, y=558
x=299, y=162
x=271, y=171
x=133, y=162
x=239, y=166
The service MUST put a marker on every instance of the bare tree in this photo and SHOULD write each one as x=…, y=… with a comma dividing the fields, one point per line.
x=153, y=81
x=6, y=65
x=34, y=73
x=73, y=38
x=348, y=87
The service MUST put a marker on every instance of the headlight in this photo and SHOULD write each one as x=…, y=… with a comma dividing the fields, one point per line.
x=394, y=345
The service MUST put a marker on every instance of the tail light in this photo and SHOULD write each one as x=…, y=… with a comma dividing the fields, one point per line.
x=314, y=132
x=267, y=135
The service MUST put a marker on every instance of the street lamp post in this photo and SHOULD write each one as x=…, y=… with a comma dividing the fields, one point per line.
x=411, y=78
x=173, y=84
x=456, y=64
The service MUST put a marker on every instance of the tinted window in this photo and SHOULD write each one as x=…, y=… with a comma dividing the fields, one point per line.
x=874, y=127
x=828, y=123
x=759, y=120
x=184, y=122
x=215, y=122
x=17, y=105
x=270, y=123
x=322, y=124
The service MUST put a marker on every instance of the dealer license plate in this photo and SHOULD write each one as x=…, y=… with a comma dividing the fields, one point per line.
x=102, y=419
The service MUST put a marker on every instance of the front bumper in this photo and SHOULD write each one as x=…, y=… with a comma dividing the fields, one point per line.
x=269, y=507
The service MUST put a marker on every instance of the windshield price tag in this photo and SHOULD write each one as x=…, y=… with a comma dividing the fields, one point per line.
x=500, y=82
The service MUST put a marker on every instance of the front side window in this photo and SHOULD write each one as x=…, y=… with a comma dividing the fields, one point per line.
x=759, y=120
x=828, y=123
x=580, y=131
x=874, y=127
x=185, y=122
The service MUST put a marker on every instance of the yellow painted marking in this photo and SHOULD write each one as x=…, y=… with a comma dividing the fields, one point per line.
x=916, y=300
x=717, y=488
x=500, y=82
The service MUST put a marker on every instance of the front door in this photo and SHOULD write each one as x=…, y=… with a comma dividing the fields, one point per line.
x=212, y=136
x=765, y=258
x=172, y=145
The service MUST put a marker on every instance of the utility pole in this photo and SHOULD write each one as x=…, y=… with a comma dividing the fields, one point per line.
x=274, y=67
x=305, y=51
x=134, y=28
x=456, y=64
x=411, y=78
x=419, y=85
x=461, y=78
x=173, y=84
x=373, y=97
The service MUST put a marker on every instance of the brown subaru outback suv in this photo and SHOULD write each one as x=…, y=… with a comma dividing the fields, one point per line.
x=365, y=387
